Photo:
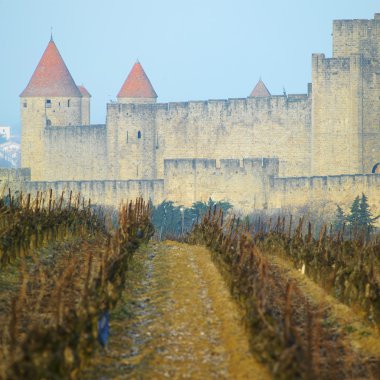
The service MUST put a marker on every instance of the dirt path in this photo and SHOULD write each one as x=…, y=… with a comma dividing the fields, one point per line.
x=177, y=321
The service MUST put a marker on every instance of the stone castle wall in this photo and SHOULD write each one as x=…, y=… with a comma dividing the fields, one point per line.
x=356, y=37
x=336, y=116
x=86, y=110
x=276, y=126
x=370, y=115
x=203, y=149
x=324, y=192
x=75, y=153
x=109, y=193
x=245, y=184
x=345, y=105
x=249, y=185
x=13, y=179
x=36, y=115
x=131, y=141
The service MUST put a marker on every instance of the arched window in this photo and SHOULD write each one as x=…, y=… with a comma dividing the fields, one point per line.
x=376, y=168
x=48, y=122
x=68, y=103
x=139, y=134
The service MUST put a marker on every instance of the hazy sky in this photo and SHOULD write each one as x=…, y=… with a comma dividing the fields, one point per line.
x=191, y=50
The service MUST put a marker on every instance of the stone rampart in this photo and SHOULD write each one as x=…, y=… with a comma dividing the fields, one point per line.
x=356, y=37
x=243, y=183
x=75, y=153
x=13, y=178
x=328, y=191
x=277, y=126
x=110, y=193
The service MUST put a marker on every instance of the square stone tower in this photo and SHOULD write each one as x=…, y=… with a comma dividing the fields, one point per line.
x=131, y=129
x=346, y=100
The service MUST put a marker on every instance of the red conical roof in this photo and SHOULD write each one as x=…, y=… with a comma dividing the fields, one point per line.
x=137, y=84
x=84, y=92
x=51, y=77
x=260, y=91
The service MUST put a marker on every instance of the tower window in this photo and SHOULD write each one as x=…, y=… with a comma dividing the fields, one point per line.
x=48, y=103
x=139, y=134
x=25, y=104
x=68, y=103
x=127, y=136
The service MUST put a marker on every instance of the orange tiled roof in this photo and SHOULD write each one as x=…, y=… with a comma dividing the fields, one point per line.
x=51, y=77
x=260, y=90
x=137, y=84
x=84, y=92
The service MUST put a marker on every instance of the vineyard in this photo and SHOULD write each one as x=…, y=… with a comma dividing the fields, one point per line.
x=294, y=329
x=70, y=270
x=62, y=270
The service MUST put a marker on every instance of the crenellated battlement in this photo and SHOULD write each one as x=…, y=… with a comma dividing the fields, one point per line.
x=244, y=183
x=326, y=183
x=76, y=128
x=231, y=105
x=335, y=65
x=324, y=192
x=102, y=192
x=357, y=37
x=252, y=166
x=274, y=102
x=14, y=175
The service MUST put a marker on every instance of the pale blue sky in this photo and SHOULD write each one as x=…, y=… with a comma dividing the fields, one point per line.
x=191, y=50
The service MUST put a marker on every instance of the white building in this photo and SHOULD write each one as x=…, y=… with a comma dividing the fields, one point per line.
x=5, y=131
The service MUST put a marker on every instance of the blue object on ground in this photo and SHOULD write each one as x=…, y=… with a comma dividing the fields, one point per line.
x=104, y=327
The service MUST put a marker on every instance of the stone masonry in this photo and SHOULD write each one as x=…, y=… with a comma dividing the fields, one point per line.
x=263, y=151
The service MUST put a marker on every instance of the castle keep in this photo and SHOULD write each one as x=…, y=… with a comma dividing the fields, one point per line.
x=263, y=151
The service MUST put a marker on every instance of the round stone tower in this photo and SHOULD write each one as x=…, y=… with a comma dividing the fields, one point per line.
x=51, y=99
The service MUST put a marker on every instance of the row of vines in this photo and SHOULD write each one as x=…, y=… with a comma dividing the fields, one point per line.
x=61, y=271
x=288, y=331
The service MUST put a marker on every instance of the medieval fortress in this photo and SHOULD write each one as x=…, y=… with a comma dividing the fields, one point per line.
x=263, y=151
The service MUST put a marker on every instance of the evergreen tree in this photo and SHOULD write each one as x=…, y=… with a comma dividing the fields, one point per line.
x=170, y=220
x=366, y=219
x=340, y=218
x=354, y=217
x=360, y=217
x=198, y=209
